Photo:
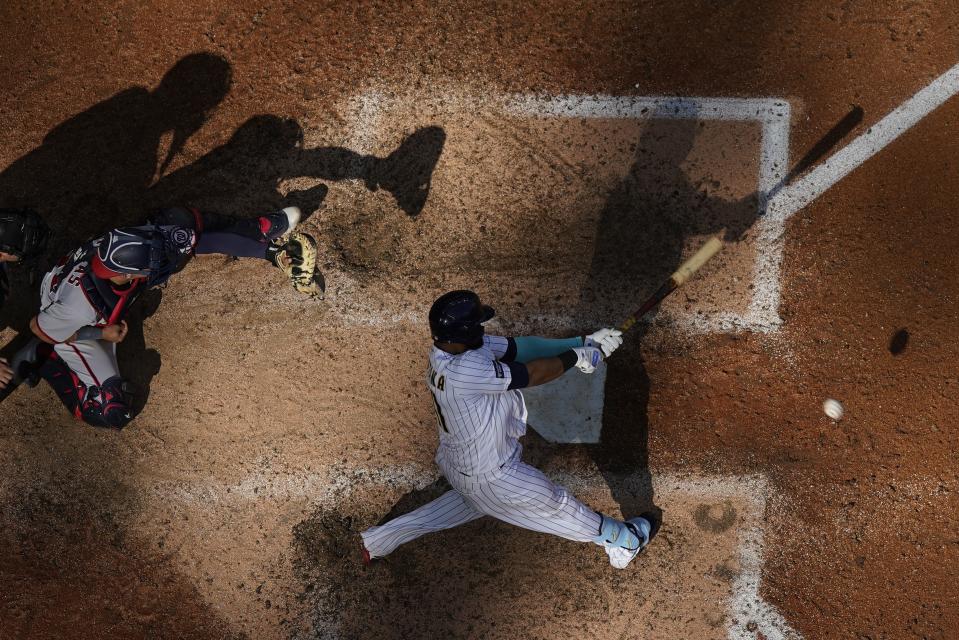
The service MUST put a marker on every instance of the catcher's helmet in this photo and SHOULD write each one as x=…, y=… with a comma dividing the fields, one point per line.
x=142, y=252
x=22, y=233
x=458, y=316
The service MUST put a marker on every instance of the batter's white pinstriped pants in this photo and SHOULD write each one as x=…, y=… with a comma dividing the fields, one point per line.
x=519, y=494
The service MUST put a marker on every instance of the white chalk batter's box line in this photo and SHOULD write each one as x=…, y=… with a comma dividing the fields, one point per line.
x=773, y=115
x=749, y=615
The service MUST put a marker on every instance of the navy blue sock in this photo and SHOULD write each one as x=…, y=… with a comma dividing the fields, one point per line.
x=231, y=244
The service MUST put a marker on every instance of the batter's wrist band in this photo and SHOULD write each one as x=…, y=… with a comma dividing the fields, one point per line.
x=90, y=333
x=569, y=359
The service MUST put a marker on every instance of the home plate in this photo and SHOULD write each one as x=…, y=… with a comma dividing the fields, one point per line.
x=569, y=409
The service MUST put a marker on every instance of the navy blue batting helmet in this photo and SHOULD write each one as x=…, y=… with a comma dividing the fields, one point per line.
x=458, y=316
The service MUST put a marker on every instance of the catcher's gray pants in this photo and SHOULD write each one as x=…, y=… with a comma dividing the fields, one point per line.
x=519, y=494
x=93, y=361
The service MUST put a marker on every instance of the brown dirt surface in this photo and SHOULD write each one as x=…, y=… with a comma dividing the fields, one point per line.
x=276, y=428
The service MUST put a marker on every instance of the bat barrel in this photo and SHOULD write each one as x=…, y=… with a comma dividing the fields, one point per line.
x=701, y=257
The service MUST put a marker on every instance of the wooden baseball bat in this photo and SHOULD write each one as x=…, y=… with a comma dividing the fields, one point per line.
x=678, y=279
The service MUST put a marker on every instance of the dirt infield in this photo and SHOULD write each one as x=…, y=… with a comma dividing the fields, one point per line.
x=504, y=148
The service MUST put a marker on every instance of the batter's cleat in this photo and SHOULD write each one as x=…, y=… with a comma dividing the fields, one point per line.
x=276, y=225
x=407, y=172
x=642, y=530
x=25, y=365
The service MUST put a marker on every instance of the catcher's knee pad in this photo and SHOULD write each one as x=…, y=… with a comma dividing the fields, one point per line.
x=106, y=405
x=616, y=533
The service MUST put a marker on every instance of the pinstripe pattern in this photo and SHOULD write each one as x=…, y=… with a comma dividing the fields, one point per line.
x=480, y=420
x=520, y=495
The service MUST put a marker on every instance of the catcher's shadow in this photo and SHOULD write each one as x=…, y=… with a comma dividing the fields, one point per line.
x=122, y=152
x=92, y=170
x=138, y=365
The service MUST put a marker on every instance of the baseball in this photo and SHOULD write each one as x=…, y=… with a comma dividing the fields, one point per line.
x=832, y=408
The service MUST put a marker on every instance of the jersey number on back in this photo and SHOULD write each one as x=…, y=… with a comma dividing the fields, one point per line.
x=439, y=413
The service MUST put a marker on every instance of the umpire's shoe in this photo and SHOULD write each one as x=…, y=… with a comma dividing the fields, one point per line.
x=26, y=364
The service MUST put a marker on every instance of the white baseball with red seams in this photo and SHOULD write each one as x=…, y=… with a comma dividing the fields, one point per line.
x=833, y=409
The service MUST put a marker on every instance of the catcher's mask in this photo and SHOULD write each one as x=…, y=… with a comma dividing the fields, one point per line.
x=458, y=317
x=142, y=252
x=22, y=233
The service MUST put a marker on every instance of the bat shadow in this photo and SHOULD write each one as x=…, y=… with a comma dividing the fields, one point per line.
x=647, y=221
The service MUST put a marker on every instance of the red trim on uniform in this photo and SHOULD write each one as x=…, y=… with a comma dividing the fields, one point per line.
x=78, y=386
x=40, y=329
x=121, y=305
x=198, y=218
x=100, y=270
x=96, y=380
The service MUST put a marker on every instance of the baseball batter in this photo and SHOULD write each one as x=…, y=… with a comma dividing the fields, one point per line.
x=475, y=380
x=84, y=299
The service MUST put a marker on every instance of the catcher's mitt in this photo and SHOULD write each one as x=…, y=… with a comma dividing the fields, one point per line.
x=295, y=255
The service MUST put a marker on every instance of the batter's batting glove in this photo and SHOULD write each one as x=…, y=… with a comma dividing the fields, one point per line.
x=296, y=256
x=608, y=340
x=588, y=358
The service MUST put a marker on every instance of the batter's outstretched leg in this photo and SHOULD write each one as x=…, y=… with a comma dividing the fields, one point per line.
x=448, y=511
x=525, y=497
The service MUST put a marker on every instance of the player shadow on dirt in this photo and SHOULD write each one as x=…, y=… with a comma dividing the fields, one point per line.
x=477, y=580
x=106, y=167
x=245, y=175
x=647, y=221
x=91, y=171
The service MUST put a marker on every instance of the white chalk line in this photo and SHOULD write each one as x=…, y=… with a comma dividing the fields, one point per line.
x=773, y=115
x=641, y=107
x=327, y=489
x=796, y=196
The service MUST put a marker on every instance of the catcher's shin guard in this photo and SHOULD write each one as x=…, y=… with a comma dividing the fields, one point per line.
x=104, y=406
x=107, y=405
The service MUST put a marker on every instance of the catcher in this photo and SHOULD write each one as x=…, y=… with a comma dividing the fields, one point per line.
x=84, y=299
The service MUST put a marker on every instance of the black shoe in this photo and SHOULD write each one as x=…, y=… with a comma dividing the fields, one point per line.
x=26, y=364
x=279, y=223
